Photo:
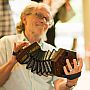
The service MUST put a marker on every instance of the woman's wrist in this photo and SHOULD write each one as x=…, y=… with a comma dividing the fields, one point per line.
x=13, y=60
x=70, y=86
x=71, y=83
x=15, y=53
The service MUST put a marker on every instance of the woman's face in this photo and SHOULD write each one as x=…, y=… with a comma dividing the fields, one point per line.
x=36, y=23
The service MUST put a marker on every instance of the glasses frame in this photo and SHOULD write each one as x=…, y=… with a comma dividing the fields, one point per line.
x=41, y=16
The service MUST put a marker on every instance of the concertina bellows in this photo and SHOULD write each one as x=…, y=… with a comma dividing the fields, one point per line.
x=47, y=62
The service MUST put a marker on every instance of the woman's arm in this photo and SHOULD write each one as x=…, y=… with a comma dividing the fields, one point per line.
x=60, y=84
x=5, y=70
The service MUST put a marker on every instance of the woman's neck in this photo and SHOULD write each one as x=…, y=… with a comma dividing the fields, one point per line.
x=31, y=38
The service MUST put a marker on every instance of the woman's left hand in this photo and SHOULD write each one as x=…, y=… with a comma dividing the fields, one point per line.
x=77, y=68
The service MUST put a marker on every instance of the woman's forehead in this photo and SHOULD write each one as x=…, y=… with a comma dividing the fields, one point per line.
x=43, y=10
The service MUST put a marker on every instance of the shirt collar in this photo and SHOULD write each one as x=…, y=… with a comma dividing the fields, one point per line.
x=23, y=38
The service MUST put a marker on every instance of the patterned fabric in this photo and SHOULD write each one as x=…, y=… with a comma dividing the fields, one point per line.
x=7, y=26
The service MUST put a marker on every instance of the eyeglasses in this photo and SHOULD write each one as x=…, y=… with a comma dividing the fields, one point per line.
x=41, y=16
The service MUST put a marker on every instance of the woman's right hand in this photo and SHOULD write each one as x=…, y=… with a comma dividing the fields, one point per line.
x=19, y=46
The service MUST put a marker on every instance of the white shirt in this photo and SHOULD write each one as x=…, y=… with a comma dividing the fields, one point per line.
x=22, y=78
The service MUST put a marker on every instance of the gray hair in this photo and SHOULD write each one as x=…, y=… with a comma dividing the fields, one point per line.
x=29, y=8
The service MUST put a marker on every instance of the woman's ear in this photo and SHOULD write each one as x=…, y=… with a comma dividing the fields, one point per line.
x=46, y=27
x=24, y=19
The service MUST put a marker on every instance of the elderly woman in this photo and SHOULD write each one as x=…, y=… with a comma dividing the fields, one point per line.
x=35, y=21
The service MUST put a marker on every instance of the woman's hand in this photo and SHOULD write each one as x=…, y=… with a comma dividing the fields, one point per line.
x=17, y=47
x=77, y=68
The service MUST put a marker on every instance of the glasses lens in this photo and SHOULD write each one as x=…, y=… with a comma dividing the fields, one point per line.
x=41, y=16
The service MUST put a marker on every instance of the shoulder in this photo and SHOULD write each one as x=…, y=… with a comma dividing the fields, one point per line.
x=10, y=38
